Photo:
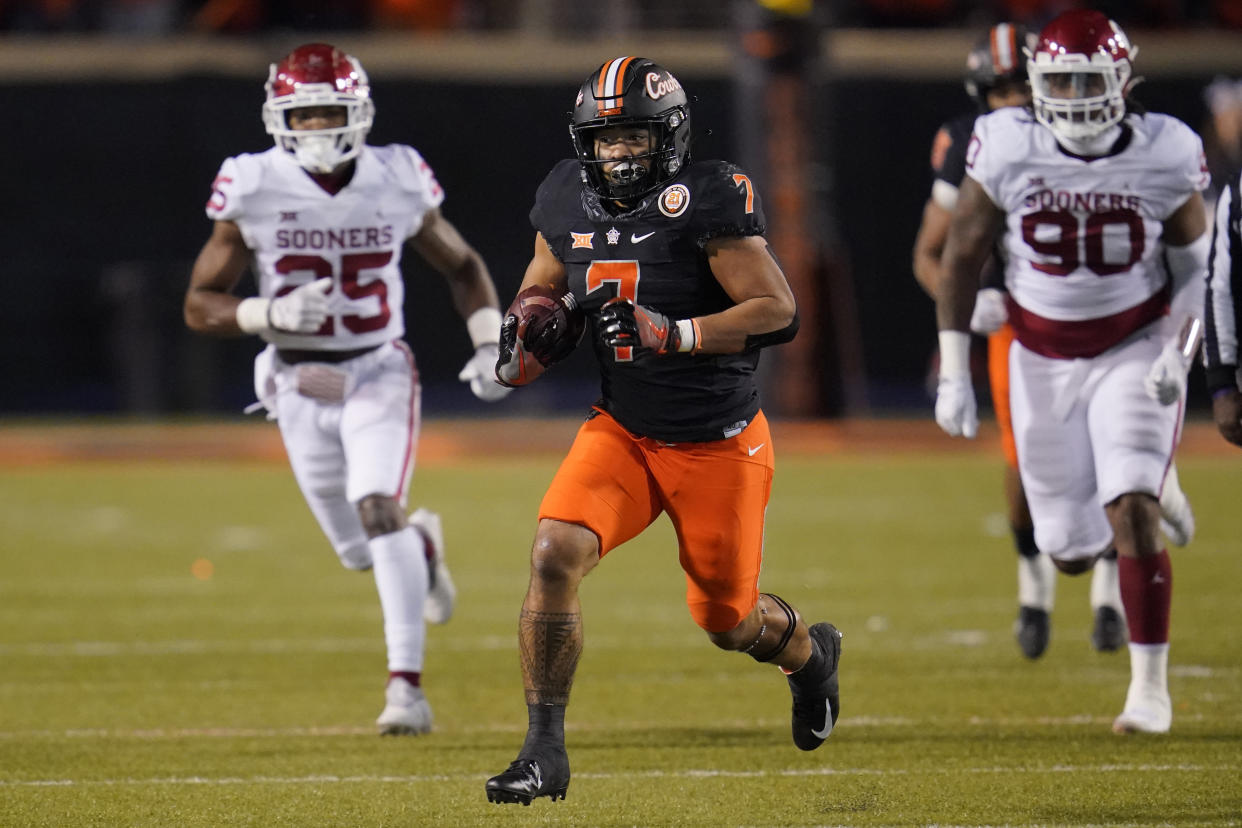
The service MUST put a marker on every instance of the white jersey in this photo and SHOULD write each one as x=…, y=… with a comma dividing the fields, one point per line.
x=298, y=233
x=1082, y=237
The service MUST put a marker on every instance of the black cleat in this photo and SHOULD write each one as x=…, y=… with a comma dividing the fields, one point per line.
x=529, y=777
x=1109, y=632
x=1032, y=631
x=816, y=701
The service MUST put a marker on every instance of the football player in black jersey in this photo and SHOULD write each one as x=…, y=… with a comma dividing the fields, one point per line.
x=681, y=292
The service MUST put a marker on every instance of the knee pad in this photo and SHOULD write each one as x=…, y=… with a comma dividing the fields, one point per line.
x=1024, y=542
x=779, y=620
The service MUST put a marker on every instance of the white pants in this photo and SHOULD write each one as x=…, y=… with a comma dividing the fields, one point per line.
x=1086, y=434
x=343, y=449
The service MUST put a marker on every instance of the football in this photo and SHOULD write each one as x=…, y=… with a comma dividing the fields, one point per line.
x=550, y=322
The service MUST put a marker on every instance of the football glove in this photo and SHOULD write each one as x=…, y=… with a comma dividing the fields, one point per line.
x=990, y=311
x=1166, y=379
x=479, y=372
x=956, y=410
x=514, y=366
x=301, y=310
x=621, y=323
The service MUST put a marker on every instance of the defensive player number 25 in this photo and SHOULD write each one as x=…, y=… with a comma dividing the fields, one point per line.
x=1066, y=230
x=352, y=265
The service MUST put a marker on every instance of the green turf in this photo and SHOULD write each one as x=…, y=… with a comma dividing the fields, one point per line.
x=133, y=693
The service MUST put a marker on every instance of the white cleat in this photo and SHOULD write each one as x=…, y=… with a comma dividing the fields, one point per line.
x=441, y=593
x=1146, y=711
x=1177, y=519
x=406, y=711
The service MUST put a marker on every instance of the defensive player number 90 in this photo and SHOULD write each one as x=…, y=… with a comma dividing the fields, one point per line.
x=351, y=286
x=1069, y=230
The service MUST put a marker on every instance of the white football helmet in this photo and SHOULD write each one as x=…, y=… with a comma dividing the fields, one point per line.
x=318, y=74
x=1080, y=73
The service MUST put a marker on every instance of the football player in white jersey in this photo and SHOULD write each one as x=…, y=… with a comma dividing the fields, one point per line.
x=996, y=77
x=323, y=218
x=1103, y=231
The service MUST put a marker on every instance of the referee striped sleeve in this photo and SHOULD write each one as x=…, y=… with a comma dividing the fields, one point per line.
x=1224, y=289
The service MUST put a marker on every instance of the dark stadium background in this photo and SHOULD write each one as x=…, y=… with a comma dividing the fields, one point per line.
x=106, y=174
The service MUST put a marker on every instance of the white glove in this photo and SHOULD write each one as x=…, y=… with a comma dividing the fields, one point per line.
x=480, y=372
x=990, y=311
x=301, y=310
x=1166, y=379
x=956, y=410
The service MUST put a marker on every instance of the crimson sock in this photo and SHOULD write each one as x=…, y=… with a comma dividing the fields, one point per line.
x=413, y=678
x=1146, y=593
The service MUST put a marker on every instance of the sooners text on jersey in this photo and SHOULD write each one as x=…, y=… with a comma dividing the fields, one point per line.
x=300, y=233
x=1082, y=236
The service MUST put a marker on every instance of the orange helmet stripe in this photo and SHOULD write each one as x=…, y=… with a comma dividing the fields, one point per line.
x=1004, y=48
x=611, y=85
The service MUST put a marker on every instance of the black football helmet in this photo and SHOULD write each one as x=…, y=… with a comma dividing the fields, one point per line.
x=998, y=57
x=632, y=91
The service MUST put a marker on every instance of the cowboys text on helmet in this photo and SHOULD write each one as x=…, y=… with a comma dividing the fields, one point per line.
x=633, y=93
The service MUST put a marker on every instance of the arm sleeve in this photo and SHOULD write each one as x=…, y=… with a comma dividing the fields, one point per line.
x=1224, y=286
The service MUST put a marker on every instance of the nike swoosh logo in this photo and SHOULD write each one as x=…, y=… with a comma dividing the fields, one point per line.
x=635, y=238
x=823, y=734
x=753, y=451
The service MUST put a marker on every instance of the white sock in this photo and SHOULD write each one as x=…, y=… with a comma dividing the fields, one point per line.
x=1105, y=585
x=401, y=579
x=1149, y=667
x=1037, y=582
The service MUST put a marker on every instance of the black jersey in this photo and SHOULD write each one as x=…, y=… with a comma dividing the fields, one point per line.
x=654, y=255
x=949, y=149
x=948, y=163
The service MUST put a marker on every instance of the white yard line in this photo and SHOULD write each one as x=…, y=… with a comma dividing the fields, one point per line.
x=172, y=733
x=690, y=773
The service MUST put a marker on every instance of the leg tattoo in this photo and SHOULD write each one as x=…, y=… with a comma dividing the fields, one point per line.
x=550, y=644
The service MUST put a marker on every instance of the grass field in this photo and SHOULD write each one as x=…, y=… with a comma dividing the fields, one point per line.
x=178, y=647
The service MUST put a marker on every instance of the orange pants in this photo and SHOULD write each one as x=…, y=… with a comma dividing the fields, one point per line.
x=616, y=484
x=998, y=378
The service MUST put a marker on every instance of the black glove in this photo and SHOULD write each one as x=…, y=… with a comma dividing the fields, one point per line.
x=509, y=355
x=623, y=324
